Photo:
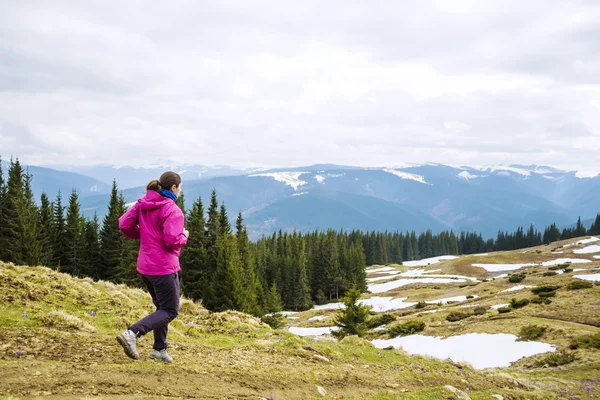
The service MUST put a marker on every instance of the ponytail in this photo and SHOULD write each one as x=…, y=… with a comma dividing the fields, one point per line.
x=154, y=185
x=166, y=181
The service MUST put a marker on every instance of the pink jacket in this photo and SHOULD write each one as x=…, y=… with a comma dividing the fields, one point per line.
x=158, y=222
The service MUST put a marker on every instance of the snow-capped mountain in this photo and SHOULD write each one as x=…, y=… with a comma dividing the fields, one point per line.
x=419, y=197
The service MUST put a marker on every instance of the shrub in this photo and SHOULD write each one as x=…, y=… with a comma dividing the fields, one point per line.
x=532, y=332
x=554, y=267
x=565, y=265
x=567, y=270
x=379, y=320
x=555, y=360
x=516, y=278
x=504, y=310
x=540, y=300
x=275, y=321
x=579, y=284
x=538, y=251
x=586, y=342
x=352, y=320
x=420, y=305
x=543, y=289
x=549, y=273
x=479, y=311
x=456, y=316
x=470, y=296
x=547, y=294
x=514, y=303
x=407, y=328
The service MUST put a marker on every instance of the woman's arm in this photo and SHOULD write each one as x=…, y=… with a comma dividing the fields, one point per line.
x=129, y=223
x=173, y=230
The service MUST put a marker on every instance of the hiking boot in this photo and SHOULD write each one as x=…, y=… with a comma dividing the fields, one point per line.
x=128, y=340
x=161, y=355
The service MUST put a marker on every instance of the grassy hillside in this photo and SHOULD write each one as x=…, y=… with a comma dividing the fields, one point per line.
x=57, y=341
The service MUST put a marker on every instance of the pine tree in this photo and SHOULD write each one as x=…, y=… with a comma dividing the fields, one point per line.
x=12, y=229
x=580, y=229
x=32, y=248
x=92, y=260
x=73, y=237
x=274, y=303
x=225, y=227
x=112, y=241
x=60, y=245
x=353, y=319
x=251, y=286
x=301, y=299
x=226, y=285
x=595, y=228
x=195, y=279
x=46, y=230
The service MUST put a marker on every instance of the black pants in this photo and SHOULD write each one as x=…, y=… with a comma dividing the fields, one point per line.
x=164, y=290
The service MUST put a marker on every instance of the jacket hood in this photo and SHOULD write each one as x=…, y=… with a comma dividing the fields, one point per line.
x=153, y=201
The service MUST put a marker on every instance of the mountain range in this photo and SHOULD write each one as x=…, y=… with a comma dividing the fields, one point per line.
x=416, y=197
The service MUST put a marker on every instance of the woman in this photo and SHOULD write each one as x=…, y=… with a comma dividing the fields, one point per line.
x=157, y=222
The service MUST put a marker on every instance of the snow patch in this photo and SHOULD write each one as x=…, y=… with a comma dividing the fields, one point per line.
x=481, y=350
x=467, y=176
x=502, y=267
x=407, y=175
x=312, y=331
x=590, y=277
x=426, y=261
x=516, y=288
x=497, y=306
x=566, y=260
x=588, y=250
x=318, y=318
x=289, y=178
x=384, y=287
x=588, y=241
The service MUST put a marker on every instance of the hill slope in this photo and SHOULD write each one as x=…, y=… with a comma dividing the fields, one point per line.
x=57, y=339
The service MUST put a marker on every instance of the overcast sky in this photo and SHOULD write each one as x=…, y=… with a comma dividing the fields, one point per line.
x=278, y=83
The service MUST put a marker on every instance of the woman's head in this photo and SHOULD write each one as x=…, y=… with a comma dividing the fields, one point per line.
x=169, y=180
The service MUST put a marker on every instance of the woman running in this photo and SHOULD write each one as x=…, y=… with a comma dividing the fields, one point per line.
x=158, y=223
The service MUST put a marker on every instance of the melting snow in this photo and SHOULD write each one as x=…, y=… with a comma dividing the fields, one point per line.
x=384, y=287
x=406, y=175
x=467, y=176
x=566, y=260
x=426, y=261
x=588, y=250
x=481, y=255
x=289, y=178
x=502, y=267
x=590, y=277
x=381, y=269
x=312, y=331
x=422, y=272
x=318, y=318
x=481, y=350
x=329, y=306
x=515, y=288
x=497, y=306
x=588, y=241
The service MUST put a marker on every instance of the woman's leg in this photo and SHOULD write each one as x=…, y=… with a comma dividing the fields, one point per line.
x=164, y=290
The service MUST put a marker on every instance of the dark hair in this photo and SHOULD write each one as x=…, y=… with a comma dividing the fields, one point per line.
x=166, y=181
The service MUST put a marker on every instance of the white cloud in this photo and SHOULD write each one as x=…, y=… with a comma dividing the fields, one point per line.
x=266, y=83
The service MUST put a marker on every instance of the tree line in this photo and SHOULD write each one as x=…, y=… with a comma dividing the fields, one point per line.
x=220, y=265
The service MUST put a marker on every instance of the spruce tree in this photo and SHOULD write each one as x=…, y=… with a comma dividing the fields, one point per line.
x=595, y=228
x=60, y=245
x=224, y=225
x=46, y=230
x=73, y=237
x=112, y=241
x=12, y=229
x=301, y=299
x=250, y=285
x=32, y=248
x=92, y=258
x=353, y=319
x=195, y=279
